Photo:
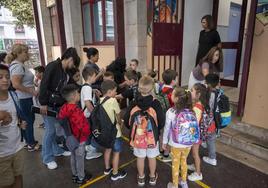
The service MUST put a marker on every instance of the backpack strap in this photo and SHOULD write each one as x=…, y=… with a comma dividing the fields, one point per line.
x=15, y=99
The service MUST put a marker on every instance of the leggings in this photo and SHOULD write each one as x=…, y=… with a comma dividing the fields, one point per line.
x=179, y=161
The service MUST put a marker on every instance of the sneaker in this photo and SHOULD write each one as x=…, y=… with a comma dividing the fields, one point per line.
x=52, y=165
x=204, y=145
x=141, y=181
x=153, y=180
x=191, y=167
x=84, y=180
x=74, y=178
x=33, y=147
x=170, y=185
x=65, y=154
x=108, y=171
x=93, y=155
x=120, y=175
x=195, y=177
x=184, y=184
x=165, y=159
x=210, y=161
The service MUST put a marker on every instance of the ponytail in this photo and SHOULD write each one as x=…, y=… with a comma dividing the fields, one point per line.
x=15, y=51
x=183, y=99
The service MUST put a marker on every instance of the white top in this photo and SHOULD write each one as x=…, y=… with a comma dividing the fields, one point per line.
x=19, y=69
x=170, y=117
x=87, y=95
x=10, y=134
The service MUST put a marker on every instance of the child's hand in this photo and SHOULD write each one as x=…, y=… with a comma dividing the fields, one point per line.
x=164, y=147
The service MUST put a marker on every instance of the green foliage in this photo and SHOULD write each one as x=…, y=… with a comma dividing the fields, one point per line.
x=22, y=10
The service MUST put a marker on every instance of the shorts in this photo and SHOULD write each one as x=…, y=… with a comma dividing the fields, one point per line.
x=118, y=145
x=150, y=152
x=10, y=167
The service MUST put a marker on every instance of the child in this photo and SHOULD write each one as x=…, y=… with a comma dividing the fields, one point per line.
x=108, y=76
x=180, y=132
x=74, y=74
x=200, y=97
x=111, y=107
x=139, y=122
x=79, y=128
x=39, y=71
x=212, y=81
x=11, y=153
x=169, y=78
x=88, y=101
x=134, y=63
x=131, y=92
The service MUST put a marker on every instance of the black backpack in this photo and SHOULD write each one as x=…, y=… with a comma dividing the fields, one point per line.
x=103, y=130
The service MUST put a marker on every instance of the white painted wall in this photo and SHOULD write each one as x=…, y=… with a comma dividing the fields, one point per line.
x=193, y=13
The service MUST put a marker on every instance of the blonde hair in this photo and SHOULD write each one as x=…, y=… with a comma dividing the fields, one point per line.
x=15, y=51
x=146, y=84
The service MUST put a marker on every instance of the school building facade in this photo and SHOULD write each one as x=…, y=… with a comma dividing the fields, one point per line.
x=163, y=34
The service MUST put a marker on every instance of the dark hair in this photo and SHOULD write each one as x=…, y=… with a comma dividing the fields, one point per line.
x=132, y=75
x=108, y=74
x=107, y=85
x=2, y=56
x=4, y=67
x=152, y=73
x=204, y=95
x=208, y=58
x=71, y=52
x=118, y=67
x=90, y=52
x=39, y=69
x=212, y=80
x=73, y=71
x=67, y=90
x=88, y=71
x=136, y=61
x=209, y=20
x=184, y=99
x=169, y=75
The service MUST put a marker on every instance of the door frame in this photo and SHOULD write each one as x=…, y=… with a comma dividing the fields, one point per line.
x=233, y=45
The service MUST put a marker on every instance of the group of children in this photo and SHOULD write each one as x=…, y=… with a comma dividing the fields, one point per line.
x=152, y=122
x=157, y=115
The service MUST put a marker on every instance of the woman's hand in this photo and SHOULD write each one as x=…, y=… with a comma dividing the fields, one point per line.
x=5, y=118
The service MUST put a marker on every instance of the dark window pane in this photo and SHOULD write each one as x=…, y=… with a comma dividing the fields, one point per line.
x=109, y=20
x=87, y=23
x=98, y=25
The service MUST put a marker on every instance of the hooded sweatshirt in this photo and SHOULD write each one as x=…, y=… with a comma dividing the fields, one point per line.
x=145, y=103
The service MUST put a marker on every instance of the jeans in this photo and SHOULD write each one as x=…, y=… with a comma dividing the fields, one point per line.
x=28, y=133
x=50, y=147
x=77, y=161
x=211, y=143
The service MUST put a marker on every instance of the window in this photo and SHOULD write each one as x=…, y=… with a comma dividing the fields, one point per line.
x=98, y=21
x=54, y=25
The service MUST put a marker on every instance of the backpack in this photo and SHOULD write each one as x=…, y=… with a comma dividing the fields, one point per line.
x=185, y=129
x=144, y=128
x=222, y=112
x=163, y=99
x=11, y=88
x=103, y=130
x=205, y=122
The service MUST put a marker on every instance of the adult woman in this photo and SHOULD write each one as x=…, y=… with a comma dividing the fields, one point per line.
x=23, y=81
x=211, y=63
x=93, y=57
x=54, y=78
x=208, y=38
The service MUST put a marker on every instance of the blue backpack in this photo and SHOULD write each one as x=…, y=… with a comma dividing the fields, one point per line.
x=185, y=129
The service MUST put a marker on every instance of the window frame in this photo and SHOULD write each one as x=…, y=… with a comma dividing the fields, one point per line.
x=104, y=33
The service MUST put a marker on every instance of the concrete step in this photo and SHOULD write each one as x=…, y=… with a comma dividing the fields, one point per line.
x=245, y=142
x=243, y=157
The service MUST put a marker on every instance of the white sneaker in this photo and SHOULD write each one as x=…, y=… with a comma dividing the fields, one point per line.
x=170, y=185
x=204, y=145
x=210, y=161
x=184, y=184
x=65, y=154
x=191, y=167
x=52, y=165
x=195, y=177
x=93, y=155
